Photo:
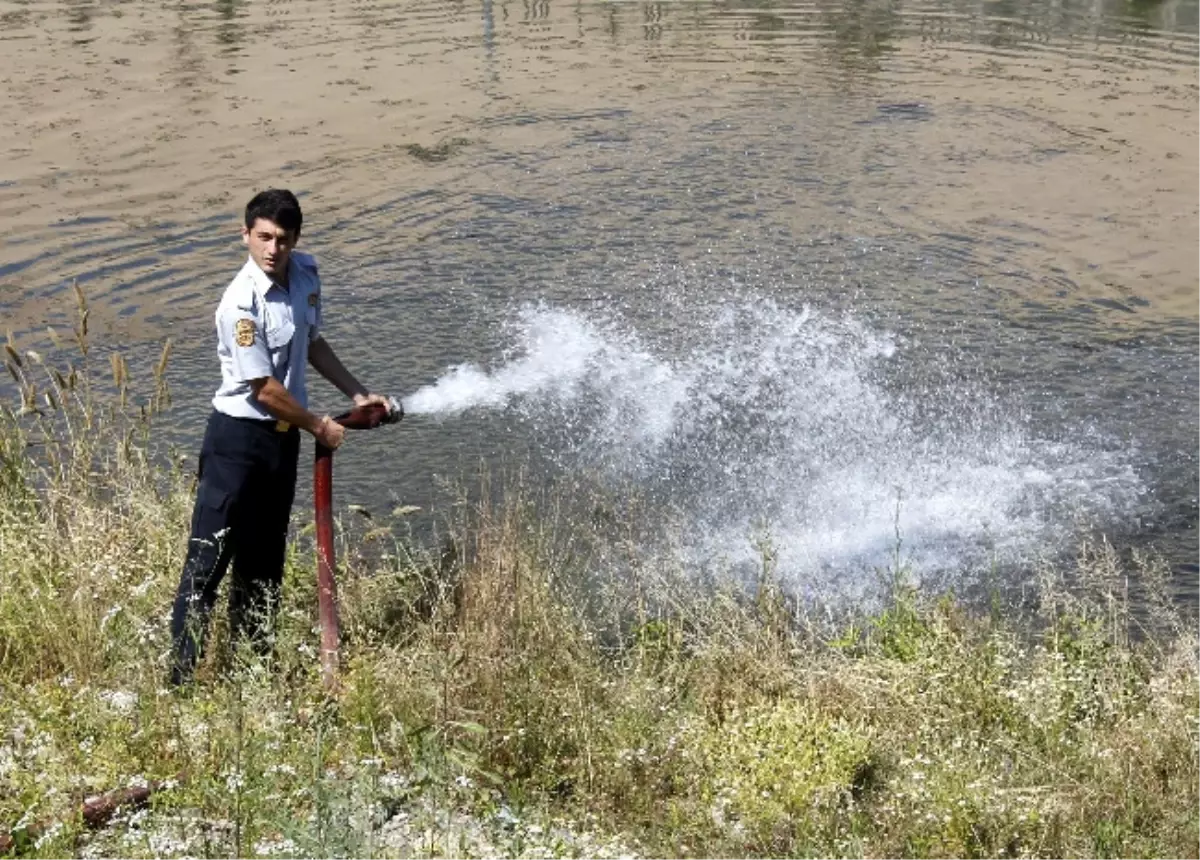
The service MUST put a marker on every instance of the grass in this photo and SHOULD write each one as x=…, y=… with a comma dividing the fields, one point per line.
x=530, y=686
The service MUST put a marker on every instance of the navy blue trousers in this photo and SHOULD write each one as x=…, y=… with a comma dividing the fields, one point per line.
x=243, y=503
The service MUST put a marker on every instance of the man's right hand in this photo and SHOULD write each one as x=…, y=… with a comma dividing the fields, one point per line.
x=329, y=433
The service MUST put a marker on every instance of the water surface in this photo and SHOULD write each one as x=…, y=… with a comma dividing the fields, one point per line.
x=932, y=264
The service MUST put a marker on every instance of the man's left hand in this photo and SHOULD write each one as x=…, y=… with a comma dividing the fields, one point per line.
x=394, y=410
x=370, y=399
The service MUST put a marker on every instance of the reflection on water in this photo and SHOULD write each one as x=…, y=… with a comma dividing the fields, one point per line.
x=79, y=17
x=229, y=31
x=1007, y=187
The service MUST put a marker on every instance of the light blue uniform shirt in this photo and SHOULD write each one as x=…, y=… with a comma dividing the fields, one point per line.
x=264, y=330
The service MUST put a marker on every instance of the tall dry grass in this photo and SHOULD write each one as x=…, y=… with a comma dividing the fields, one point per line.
x=530, y=685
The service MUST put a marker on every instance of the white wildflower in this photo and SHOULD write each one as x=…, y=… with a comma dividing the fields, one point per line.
x=284, y=847
x=121, y=701
x=164, y=845
x=393, y=781
x=110, y=615
x=51, y=832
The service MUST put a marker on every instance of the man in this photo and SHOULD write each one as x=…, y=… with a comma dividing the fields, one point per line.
x=268, y=330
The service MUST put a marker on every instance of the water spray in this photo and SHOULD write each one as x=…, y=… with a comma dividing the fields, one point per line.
x=836, y=435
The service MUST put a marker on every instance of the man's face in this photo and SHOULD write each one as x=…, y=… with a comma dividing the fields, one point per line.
x=270, y=246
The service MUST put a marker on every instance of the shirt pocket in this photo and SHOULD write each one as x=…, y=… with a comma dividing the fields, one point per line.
x=279, y=335
x=279, y=342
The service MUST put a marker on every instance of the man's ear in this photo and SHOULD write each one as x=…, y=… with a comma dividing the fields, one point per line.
x=245, y=235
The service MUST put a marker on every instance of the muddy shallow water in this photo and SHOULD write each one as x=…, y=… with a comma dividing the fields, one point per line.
x=932, y=265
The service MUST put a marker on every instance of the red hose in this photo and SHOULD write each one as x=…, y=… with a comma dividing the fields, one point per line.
x=358, y=418
x=95, y=812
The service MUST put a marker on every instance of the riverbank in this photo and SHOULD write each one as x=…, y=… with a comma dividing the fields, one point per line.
x=498, y=698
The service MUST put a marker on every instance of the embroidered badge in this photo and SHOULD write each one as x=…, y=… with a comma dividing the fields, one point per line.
x=243, y=332
x=313, y=298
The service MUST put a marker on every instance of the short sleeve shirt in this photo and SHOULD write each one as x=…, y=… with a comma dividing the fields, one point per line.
x=264, y=330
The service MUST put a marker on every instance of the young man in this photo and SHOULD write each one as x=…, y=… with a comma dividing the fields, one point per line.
x=268, y=331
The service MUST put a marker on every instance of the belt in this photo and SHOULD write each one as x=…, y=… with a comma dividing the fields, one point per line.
x=279, y=426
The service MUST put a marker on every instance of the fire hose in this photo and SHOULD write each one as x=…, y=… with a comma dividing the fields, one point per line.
x=94, y=812
x=358, y=418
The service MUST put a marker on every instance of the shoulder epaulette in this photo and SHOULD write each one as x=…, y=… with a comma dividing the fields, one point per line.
x=308, y=261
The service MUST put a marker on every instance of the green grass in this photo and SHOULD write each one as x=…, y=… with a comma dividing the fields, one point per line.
x=498, y=696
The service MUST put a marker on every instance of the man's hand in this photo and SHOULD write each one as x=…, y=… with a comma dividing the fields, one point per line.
x=329, y=433
x=368, y=399
x=394, y=410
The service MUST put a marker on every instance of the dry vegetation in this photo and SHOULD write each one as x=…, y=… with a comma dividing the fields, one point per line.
x=499, y=697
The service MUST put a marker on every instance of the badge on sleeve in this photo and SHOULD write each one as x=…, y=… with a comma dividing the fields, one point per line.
x=243, y=332
x=313, y=298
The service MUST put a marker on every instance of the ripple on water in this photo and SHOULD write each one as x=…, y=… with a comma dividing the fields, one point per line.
x=1006, y=181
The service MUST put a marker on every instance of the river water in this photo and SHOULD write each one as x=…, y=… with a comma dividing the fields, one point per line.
x=860, y=274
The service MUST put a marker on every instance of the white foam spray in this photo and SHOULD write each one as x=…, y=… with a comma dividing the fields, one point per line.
x=776, y=418
x=562, y=360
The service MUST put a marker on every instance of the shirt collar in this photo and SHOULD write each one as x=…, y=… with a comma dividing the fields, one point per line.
x=262, y=281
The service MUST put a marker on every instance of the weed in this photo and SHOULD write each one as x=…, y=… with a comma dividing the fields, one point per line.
x=531, y=685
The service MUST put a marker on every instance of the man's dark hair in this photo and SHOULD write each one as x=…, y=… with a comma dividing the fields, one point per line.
x=278, y=205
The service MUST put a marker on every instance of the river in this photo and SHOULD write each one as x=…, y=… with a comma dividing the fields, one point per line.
x=859, y=274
